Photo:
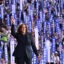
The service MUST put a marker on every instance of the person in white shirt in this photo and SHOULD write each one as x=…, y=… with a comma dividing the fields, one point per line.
x=56, y=58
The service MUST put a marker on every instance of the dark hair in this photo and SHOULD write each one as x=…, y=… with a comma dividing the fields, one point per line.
x=20, y=27
x=0, y=2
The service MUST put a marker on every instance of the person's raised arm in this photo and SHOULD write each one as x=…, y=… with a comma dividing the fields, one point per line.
x=12, y=20
x=13, y=28
x=35, y=49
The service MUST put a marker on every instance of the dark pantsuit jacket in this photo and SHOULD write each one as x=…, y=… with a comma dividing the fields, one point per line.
x=25, y=44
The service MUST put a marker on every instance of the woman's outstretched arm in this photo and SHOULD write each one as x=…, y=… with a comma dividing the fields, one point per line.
x=13, y=28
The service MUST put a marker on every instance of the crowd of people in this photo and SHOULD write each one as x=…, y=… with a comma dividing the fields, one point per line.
x=45, y=15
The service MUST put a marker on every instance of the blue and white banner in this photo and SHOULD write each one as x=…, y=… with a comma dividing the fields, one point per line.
x=61, y=4
x=16, y=23
x=11, y=51
x=41, y=16
x=2, y=12
x=36, y=38
x=29, y=24
x=44, y=55
x=1, y=53
x=51, y=17
x=26, y=19
x=49, y=26
x=10, y=4
x=63, y=26
x=59, y=13
x=60, y=52
x=34, y=59
x=63, y=58
x=53, y=27
x=20, y=17
x=6, y=53
x=24, y=15
x=47, y=44
x=21, y=2
x=49, y=11
x=32, y=15
x=32, y=1
x=47, y=2
x=53, y=44
x=45, y=28
x=56, y=10
x=57, y=28
x=37, y=8
x=42, y=41
x=14, y=1
x=39, y=25
x=13, y=8
x=29, y=10
x=8, y=20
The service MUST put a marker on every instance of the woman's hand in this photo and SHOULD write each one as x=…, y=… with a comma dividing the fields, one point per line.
x=12, y=19
x=38, y=59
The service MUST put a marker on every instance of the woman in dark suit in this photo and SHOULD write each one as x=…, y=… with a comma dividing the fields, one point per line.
x=23, y=51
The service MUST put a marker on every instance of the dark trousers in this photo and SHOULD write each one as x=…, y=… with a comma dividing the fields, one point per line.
x=23, y=60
